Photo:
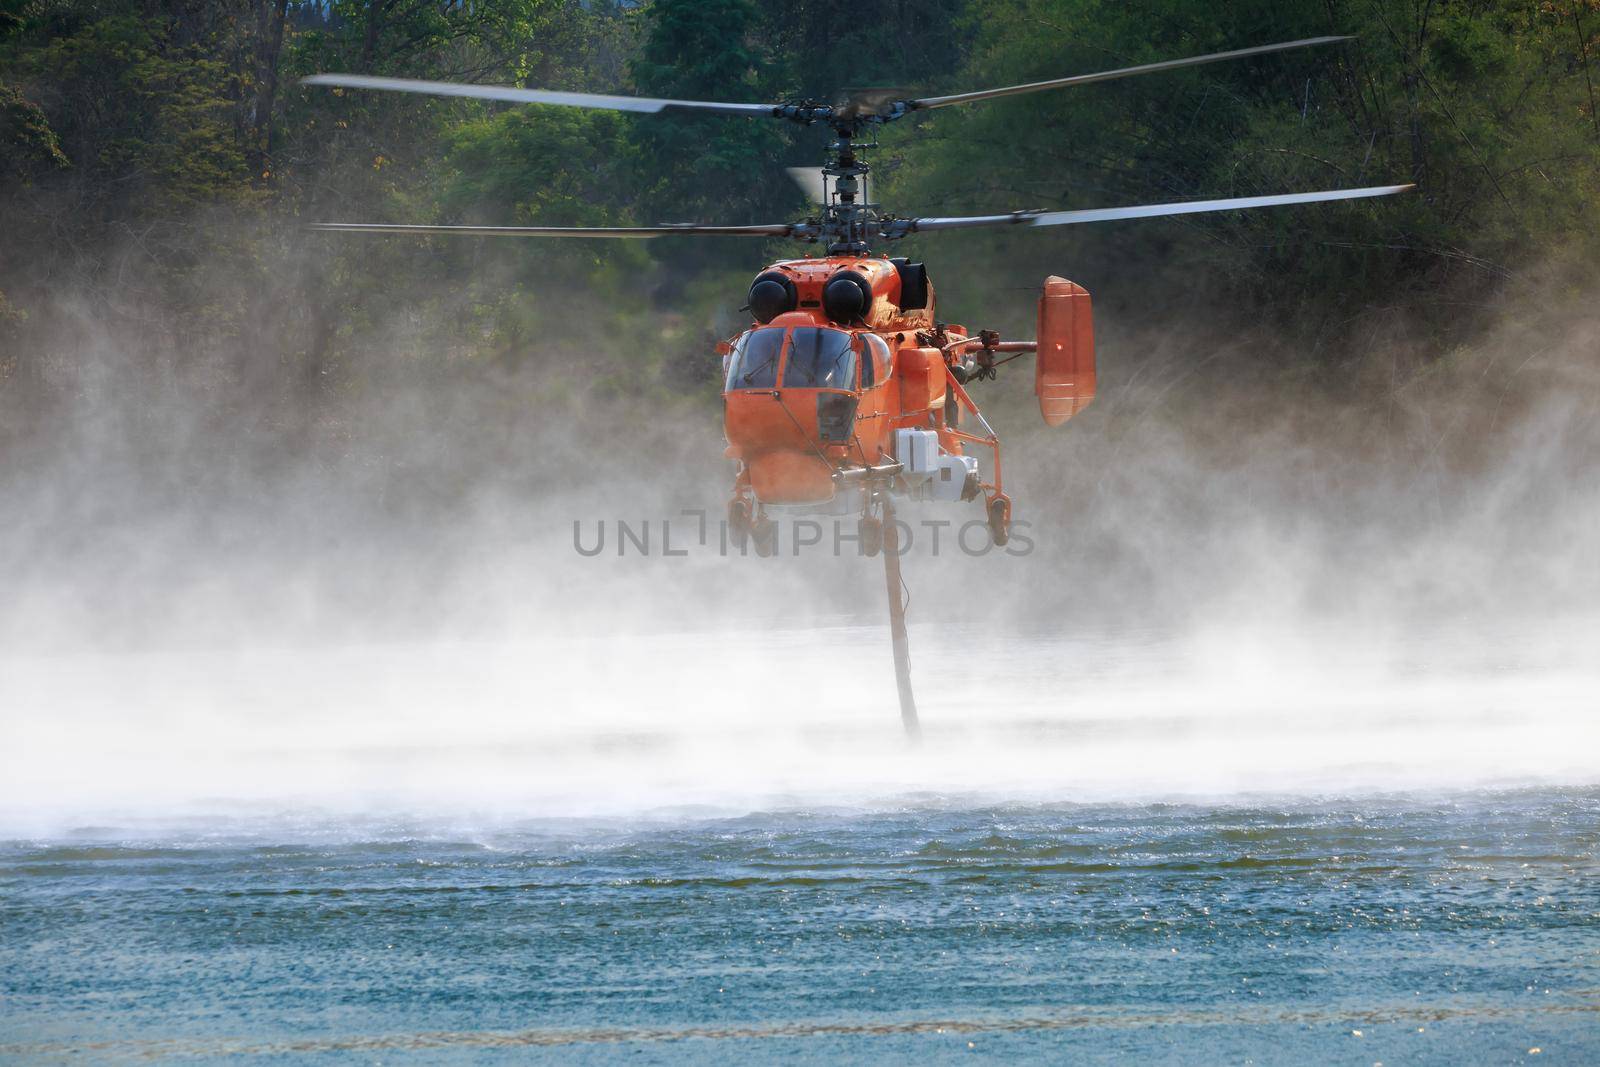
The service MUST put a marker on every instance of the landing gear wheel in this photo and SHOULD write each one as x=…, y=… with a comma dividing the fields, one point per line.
x=764, y=533
x=1000, y=520
x=739, y=522
x=870, y=531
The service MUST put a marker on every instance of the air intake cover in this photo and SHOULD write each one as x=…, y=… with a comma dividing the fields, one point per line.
x=847, y=297
x=772, y=294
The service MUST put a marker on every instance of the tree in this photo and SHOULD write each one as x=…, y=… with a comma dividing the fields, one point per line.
x=1484, y=105
x=709, y=169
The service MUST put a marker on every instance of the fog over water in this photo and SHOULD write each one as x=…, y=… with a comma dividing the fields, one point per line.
x=1236, y=582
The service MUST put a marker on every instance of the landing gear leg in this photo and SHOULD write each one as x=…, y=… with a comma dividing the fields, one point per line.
x=739, y=522
x=1000, y=518
x=869, y=530
x=764, y=533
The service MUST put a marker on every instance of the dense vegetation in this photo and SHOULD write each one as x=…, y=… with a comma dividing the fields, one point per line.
x=159, y=157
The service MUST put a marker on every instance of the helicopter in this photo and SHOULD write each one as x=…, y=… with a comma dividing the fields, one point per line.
x=846, y=389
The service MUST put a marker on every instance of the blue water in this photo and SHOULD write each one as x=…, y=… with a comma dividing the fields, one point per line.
x=1461, y=928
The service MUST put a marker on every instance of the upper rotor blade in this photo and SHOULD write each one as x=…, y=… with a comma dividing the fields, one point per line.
x=534, y=96
x=811, y=181
x=1146, y=211
x=780, y=230
x=1109, y=75
x=860, y=103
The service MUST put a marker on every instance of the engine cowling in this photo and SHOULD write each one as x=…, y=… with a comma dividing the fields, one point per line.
x=847, y=297
x=848, y=291
x=772, y=294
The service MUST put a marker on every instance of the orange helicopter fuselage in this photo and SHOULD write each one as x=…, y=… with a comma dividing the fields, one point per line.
x=797, y=409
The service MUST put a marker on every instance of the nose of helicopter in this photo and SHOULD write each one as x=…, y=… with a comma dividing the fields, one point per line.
x=783, y=436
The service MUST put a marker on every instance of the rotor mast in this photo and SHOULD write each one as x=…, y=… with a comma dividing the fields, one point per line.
x=849, y=220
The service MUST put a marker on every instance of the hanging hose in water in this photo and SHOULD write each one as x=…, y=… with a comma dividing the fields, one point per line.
x=897, y=621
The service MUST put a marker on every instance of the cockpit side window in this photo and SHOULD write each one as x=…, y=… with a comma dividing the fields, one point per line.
x=879, y=351
x=754, y=361
x=820, y=358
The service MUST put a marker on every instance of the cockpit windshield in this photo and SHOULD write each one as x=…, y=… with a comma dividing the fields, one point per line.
x=820, y=358
x=754, y=361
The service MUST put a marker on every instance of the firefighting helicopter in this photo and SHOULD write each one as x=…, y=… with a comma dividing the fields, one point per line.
x=847, y=388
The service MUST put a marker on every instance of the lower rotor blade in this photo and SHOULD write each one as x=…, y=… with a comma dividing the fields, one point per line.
x=1147, y=211
x=783, y=230
x=811, y=181
x=535, y=96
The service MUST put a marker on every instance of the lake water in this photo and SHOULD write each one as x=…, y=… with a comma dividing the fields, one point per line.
x=482, y=854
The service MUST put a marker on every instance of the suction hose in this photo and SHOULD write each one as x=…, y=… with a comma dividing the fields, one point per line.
x=897, y=623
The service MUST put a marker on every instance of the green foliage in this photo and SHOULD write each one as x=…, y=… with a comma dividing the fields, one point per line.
x=825, y=47
x=145, y=119
x=159, y=153
x=731, y=169
x=1482, y=104
x=25, y=134
x=547, y=165
x=708, y=168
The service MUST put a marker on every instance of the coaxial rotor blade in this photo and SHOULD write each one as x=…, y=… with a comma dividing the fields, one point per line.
x=811, y=181
x=779, y=230
x=1110, y=75
x=860, y=103
x=1140, y=211
x=535, y=96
